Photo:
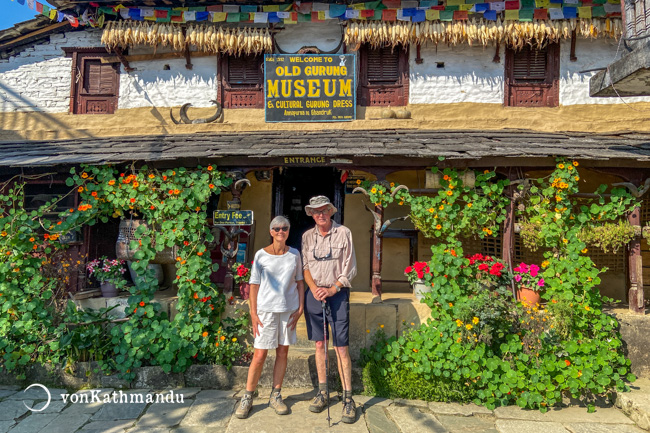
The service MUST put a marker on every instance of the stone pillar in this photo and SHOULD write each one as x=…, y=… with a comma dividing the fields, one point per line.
x=635, y=265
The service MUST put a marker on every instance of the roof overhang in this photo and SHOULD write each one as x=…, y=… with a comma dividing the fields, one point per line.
x=628, y=76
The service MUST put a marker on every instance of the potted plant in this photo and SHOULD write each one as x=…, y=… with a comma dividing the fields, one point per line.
x=415, y=275
x=241, y=275
x=109, y=273
x=529, y=283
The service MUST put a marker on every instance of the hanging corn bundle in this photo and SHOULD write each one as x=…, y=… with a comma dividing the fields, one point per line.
x=513, y=33
x=207, y=38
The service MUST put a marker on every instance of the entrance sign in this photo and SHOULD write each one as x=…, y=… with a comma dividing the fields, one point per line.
x=233, y=217
x=310, y=88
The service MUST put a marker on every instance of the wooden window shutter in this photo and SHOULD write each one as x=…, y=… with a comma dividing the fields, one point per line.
x=532, y=77
x=95, y=85
x=241, y=81
x=383, y=76
x=383, y=65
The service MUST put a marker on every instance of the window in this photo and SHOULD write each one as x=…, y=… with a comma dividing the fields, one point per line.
x=95, y=84
x=532, y=77
x=383, y=77
x=241, y=81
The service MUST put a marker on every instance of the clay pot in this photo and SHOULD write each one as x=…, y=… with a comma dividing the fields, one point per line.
x=387, y=113
x=108, y=289
x=403, y=114
x=244, y=290
x=528, y=297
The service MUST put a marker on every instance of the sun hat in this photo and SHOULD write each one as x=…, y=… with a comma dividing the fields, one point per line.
x=319, y=201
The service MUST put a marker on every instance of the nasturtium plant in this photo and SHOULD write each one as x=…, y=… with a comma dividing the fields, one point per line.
x=173, y=204
x=480, y=344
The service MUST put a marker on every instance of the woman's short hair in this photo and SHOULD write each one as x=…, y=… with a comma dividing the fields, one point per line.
x=279, y=221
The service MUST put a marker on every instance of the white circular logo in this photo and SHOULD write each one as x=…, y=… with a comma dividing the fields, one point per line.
x=49, y=397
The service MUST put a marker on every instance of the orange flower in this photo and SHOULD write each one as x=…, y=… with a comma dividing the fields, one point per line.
x=135, y=311
x=31, y=239
x=575, y=163
x=35, y=247
x=80, y=189
x=171, y=191
x=438, y=227
x=209, y=168
x=211, y=186
x=136, y=184
x=46, y=236
x=84, y=175
x=196, y=296
x=445, y=177
x=94, y=193
x=152, y=207
x=222, y=337
x=469, y=204
x=3, y=233
x=567, y=362
x=132, y=200
x=151, y=176
x=199, y=253
x=176, y=191
x=164, y=177
x=216, y=344
x=449, y=192
x=205, y=333
x=142, y=303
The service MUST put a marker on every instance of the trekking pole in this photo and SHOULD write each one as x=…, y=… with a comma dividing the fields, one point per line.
x=327, y=364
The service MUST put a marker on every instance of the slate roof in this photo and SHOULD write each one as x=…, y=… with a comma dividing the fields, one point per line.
x=383, y=147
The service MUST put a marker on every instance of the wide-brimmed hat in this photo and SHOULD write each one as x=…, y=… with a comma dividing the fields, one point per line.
x=319, y=201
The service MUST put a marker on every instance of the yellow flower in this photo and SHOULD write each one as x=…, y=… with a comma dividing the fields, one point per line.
x=358, y=181
x=392, y=184
x=575, y=163
x=459, y=323
x=475, y=320
x=570, y=168
x=587, y=307
x=558, y=198
x=381, y=191
x=3, y=233
x=84, y=175
x=577, y=178
x=441, y=207
x=469, y=204
x=412, y=324
x=545, y=263
x=431, y=210
x=374, y=190
x=368, y=331
x=560, y=166
x=486, y=171
x=566, y=241
x=451, y=305
x=489, y=231
x=468, y=326
x=401, y=203
x=80, y=189
x=449, y=192
x=584, y=251
x=381, y=326
x=438, y=227
x=234, y=339
x=415, y=350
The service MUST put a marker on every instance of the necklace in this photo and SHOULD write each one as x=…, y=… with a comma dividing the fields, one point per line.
x=275, y=253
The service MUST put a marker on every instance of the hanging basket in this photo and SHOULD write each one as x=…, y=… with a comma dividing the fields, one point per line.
x=127, y=234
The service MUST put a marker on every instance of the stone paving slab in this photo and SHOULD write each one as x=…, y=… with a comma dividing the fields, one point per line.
x=462, y=424
x=55, y=406
x=164, y=414
x=79, y=408
x=458, y=409
x=34, y=423
x=214, y=414
x=370, y=401
x=415, y=403
x=411, y=419
x=636, y=404
x=211, y=394
x=602, y=428
x=564, y=415
x=38, y=393
x=116, y=411
x=6, y=425
x=7, y=392
x=378, y=422
x=12, y=409
x=517, y=426
x=187, y=393
x=107, y=426
x=66, y=423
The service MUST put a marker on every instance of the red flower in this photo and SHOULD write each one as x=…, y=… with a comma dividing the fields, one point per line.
x=408, y=269
x=142, y=303
x=132, y=200
x=567, y=362
x=483, y=267
x=186, y=243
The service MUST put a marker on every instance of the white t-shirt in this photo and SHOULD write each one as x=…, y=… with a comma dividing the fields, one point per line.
x=277, y=276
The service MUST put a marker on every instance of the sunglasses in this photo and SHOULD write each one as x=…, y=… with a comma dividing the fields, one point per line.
x=277, y=229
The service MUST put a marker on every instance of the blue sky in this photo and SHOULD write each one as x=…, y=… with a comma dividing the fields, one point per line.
x=13, y=13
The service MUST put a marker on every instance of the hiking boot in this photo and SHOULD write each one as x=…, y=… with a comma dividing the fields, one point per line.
x=349, y=411
x=319, y=402
x=276, y=403
x=244, y=407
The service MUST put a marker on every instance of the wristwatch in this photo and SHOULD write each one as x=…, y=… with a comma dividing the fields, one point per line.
x=338, y=288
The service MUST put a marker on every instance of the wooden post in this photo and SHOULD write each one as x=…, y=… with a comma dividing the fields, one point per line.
x=635, y=265
x=508, y=239
x=376, y=252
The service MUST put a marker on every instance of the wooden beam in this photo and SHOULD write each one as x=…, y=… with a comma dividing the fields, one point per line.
x=123, y=59
x=160, y=56
x=33, y=34
x=572, y=54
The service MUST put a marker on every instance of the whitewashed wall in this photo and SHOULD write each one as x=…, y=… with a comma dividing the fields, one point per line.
x=468, y=75
x=38, y=79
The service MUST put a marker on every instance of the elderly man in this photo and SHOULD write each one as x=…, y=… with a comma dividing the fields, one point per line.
x=329, y=266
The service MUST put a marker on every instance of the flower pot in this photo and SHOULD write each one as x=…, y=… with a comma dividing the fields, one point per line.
x=108, y=289
x=420, y=289
x=244, y=290
x=527, y=296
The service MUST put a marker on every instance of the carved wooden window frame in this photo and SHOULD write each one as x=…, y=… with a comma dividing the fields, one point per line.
x=79, y=56
x=536, y=92
x=229, y=93
x=394, y=93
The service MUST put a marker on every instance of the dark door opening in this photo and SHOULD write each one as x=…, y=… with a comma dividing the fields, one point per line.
x=295, y=186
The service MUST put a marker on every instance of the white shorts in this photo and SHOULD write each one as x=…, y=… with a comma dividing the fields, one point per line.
x=275, y=331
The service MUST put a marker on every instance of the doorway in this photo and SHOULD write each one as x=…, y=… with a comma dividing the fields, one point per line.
x=292, y=189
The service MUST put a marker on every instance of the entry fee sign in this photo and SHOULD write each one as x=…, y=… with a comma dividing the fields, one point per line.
x=233, y=217
x=310, y=88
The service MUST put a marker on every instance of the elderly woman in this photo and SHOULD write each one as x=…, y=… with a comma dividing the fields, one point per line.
x=276, y=304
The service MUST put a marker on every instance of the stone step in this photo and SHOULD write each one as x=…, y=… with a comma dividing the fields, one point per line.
x=636, y=404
